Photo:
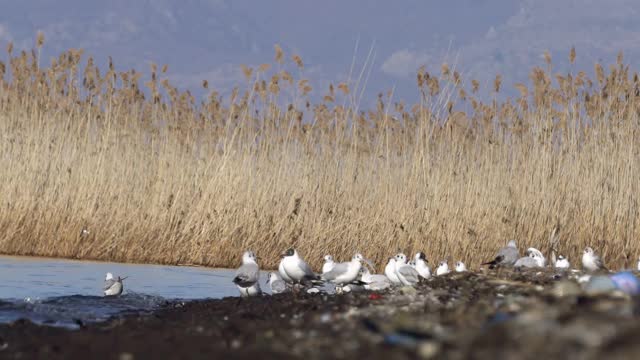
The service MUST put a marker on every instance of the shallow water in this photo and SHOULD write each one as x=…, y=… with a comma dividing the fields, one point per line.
x=66, y=292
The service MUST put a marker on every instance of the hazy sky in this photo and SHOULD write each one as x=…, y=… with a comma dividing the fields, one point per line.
x=210, y=39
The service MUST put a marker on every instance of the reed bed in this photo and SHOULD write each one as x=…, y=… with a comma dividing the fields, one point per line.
x=95, y=165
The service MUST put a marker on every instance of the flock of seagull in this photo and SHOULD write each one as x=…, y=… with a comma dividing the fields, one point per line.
x=295, y=274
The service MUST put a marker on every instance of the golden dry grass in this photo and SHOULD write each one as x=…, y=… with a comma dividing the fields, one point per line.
x=164, y=178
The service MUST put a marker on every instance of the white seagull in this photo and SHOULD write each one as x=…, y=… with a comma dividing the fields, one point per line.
x=113, y=286
x=295, y=270
x=422, y=265
x=460, y=266
x=374, y=281
x=277, y=285
x=347, y=272
x=506, y=256
x=591, y=261
x=443, y=268
x=406, y=274
x=562, y=263
x=531, y=260
x=390, y=271
x=542, y=261
x=328, y=264
x=247, y=277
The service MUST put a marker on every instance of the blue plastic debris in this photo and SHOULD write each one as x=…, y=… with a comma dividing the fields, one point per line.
x=626, y=282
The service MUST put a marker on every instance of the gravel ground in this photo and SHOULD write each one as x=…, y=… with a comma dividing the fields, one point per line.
x=491, y=315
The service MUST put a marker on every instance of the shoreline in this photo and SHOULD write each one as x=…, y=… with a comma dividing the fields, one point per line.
x=36, y=258
x=500, y=314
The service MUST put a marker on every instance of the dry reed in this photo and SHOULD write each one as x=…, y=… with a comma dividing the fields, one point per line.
x=158, y=176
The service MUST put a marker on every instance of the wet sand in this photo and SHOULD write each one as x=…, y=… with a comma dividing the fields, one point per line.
x=494, y=315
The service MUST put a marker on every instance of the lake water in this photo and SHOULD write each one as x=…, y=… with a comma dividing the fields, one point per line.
x=64, y=292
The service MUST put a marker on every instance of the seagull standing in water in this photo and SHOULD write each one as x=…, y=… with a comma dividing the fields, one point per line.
x=422, y=265
x=328, y=264
x=562, y=263
x=506, y=256
x=390, y=272
x=247, y=277
x=294, y=270
x=460, y=266
x=113, y=286
x=277, y=285
x=405, y=272
x=443, y=268
x=591, y=261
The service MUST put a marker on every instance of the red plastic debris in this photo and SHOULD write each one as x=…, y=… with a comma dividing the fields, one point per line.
x=375, y=296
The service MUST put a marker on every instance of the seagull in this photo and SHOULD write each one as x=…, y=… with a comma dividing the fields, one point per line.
x=422, y=265
x=529, y=261
x=295, y=270
x=591, y=261
x=328, y=264
x=374, y=281
x=506, y=256
x=406, y=274
x=277, y=285
x=639, y=264
x=562, y=263
x=542, y=261
x=346, y=272
x=113, y=286
x=443, y=268
x=460, y=266
x=248, y=276
x=390, y=271
x=283, y=274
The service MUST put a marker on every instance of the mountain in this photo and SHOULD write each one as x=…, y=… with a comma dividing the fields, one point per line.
x=210, y=39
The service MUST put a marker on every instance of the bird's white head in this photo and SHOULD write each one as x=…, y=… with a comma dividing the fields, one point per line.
x=109, y=276
x=401, y=258
x=588, y=251
x=328, y=258
x=512, y=243
x=443, y=268
x=249, y=257
x=421, y=256
x=460, y=266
